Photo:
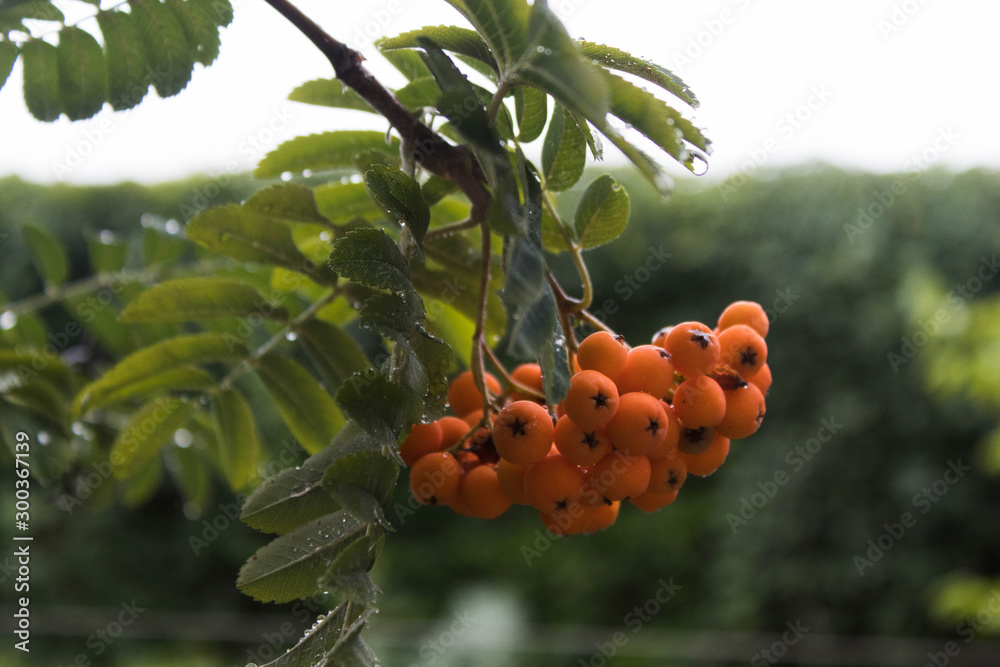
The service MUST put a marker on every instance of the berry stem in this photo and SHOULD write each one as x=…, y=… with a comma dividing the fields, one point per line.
x=575, y=252
x=511, y=382
x=479, y=337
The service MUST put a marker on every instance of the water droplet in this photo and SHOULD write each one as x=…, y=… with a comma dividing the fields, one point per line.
x=291, y=335
x=106, y=237
x=325, y=236
x=356, y=178
x=79, y=428
x=286, y=176
x=540, y=48
x=548, y=52
x=146, y=220
x=183, y=438
x=172, y=227
x=8, y=320
x=44, y=438
x=307, y=173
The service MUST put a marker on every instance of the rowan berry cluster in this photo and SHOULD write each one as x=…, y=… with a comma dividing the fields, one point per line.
x=635, y=422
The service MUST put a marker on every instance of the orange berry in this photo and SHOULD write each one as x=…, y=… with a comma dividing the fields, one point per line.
x=579, y=519
x=467, y=459
x=641, y=424
x=603, y=353
x=673, y=435
x=749, y=313
x=592, y=399
x=699, y=401
x=530, y=375
x=423, y=439
x=708, y=461
x=667, y=474
x=482, y=493
x=695, y=440
x=553, y=483
x=452, y=430
x=581, y=447
x=651, y=502
x=464, y=397
x=523, y=432
x=616, y=477
x=649, y=369
x=511, y=478
x=660, y=337
x=745, y=411
x=762, y=379
x=693, y=347
x=459, y=505
x=743, y=349
x=435, y=478
x=475, y=417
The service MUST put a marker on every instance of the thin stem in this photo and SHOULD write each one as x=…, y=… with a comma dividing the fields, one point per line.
x=565, y=305
x=502, y=89
x=448, y=230
x=250, y=362
x=479, y=337
x=593, y=321
x=511, y=382
x=430, y=149
x=575, y=252
x=55, y=293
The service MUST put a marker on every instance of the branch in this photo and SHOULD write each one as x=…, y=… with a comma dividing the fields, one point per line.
x=430, y=149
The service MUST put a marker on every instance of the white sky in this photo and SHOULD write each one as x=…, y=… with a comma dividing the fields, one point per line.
x=886, y=79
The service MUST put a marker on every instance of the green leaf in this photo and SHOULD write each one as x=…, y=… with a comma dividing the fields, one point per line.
x=125, y=55
x=329, y=150
x=623, y=61
x=184, y=379
x=222, y=10
x=310, y=412
x=139, y=488
x=8, y=54
x=450, y=38
x=289, y=201
x=380, y=406
x=291, y=566
x=148, y=429
x=551, y=61
x=341, y=203
x=295, y=496
x=335, y=355
x=536, y=335
x=329, y=93
x=49, y=256
x=401, y=197
x=501, y=23
x=363, y=485
x=437, y=188
x=602, y=213
x=419, y=93
x=201, y=28
x=252, y=236
x=239, y=444
x=168, y=52
x=41, y=396
x=42, y=93
x=83, y=76
x=107, y=255
x=192, y=299
x=158, y=358
x=564, y=151
x=532, y=109
x=328, y=643
x=655, y=119
x=23, y=363
x=12, y=15
x=370, y=257
x=409, y=63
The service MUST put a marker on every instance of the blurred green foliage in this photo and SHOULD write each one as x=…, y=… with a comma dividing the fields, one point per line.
x=848, y=285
